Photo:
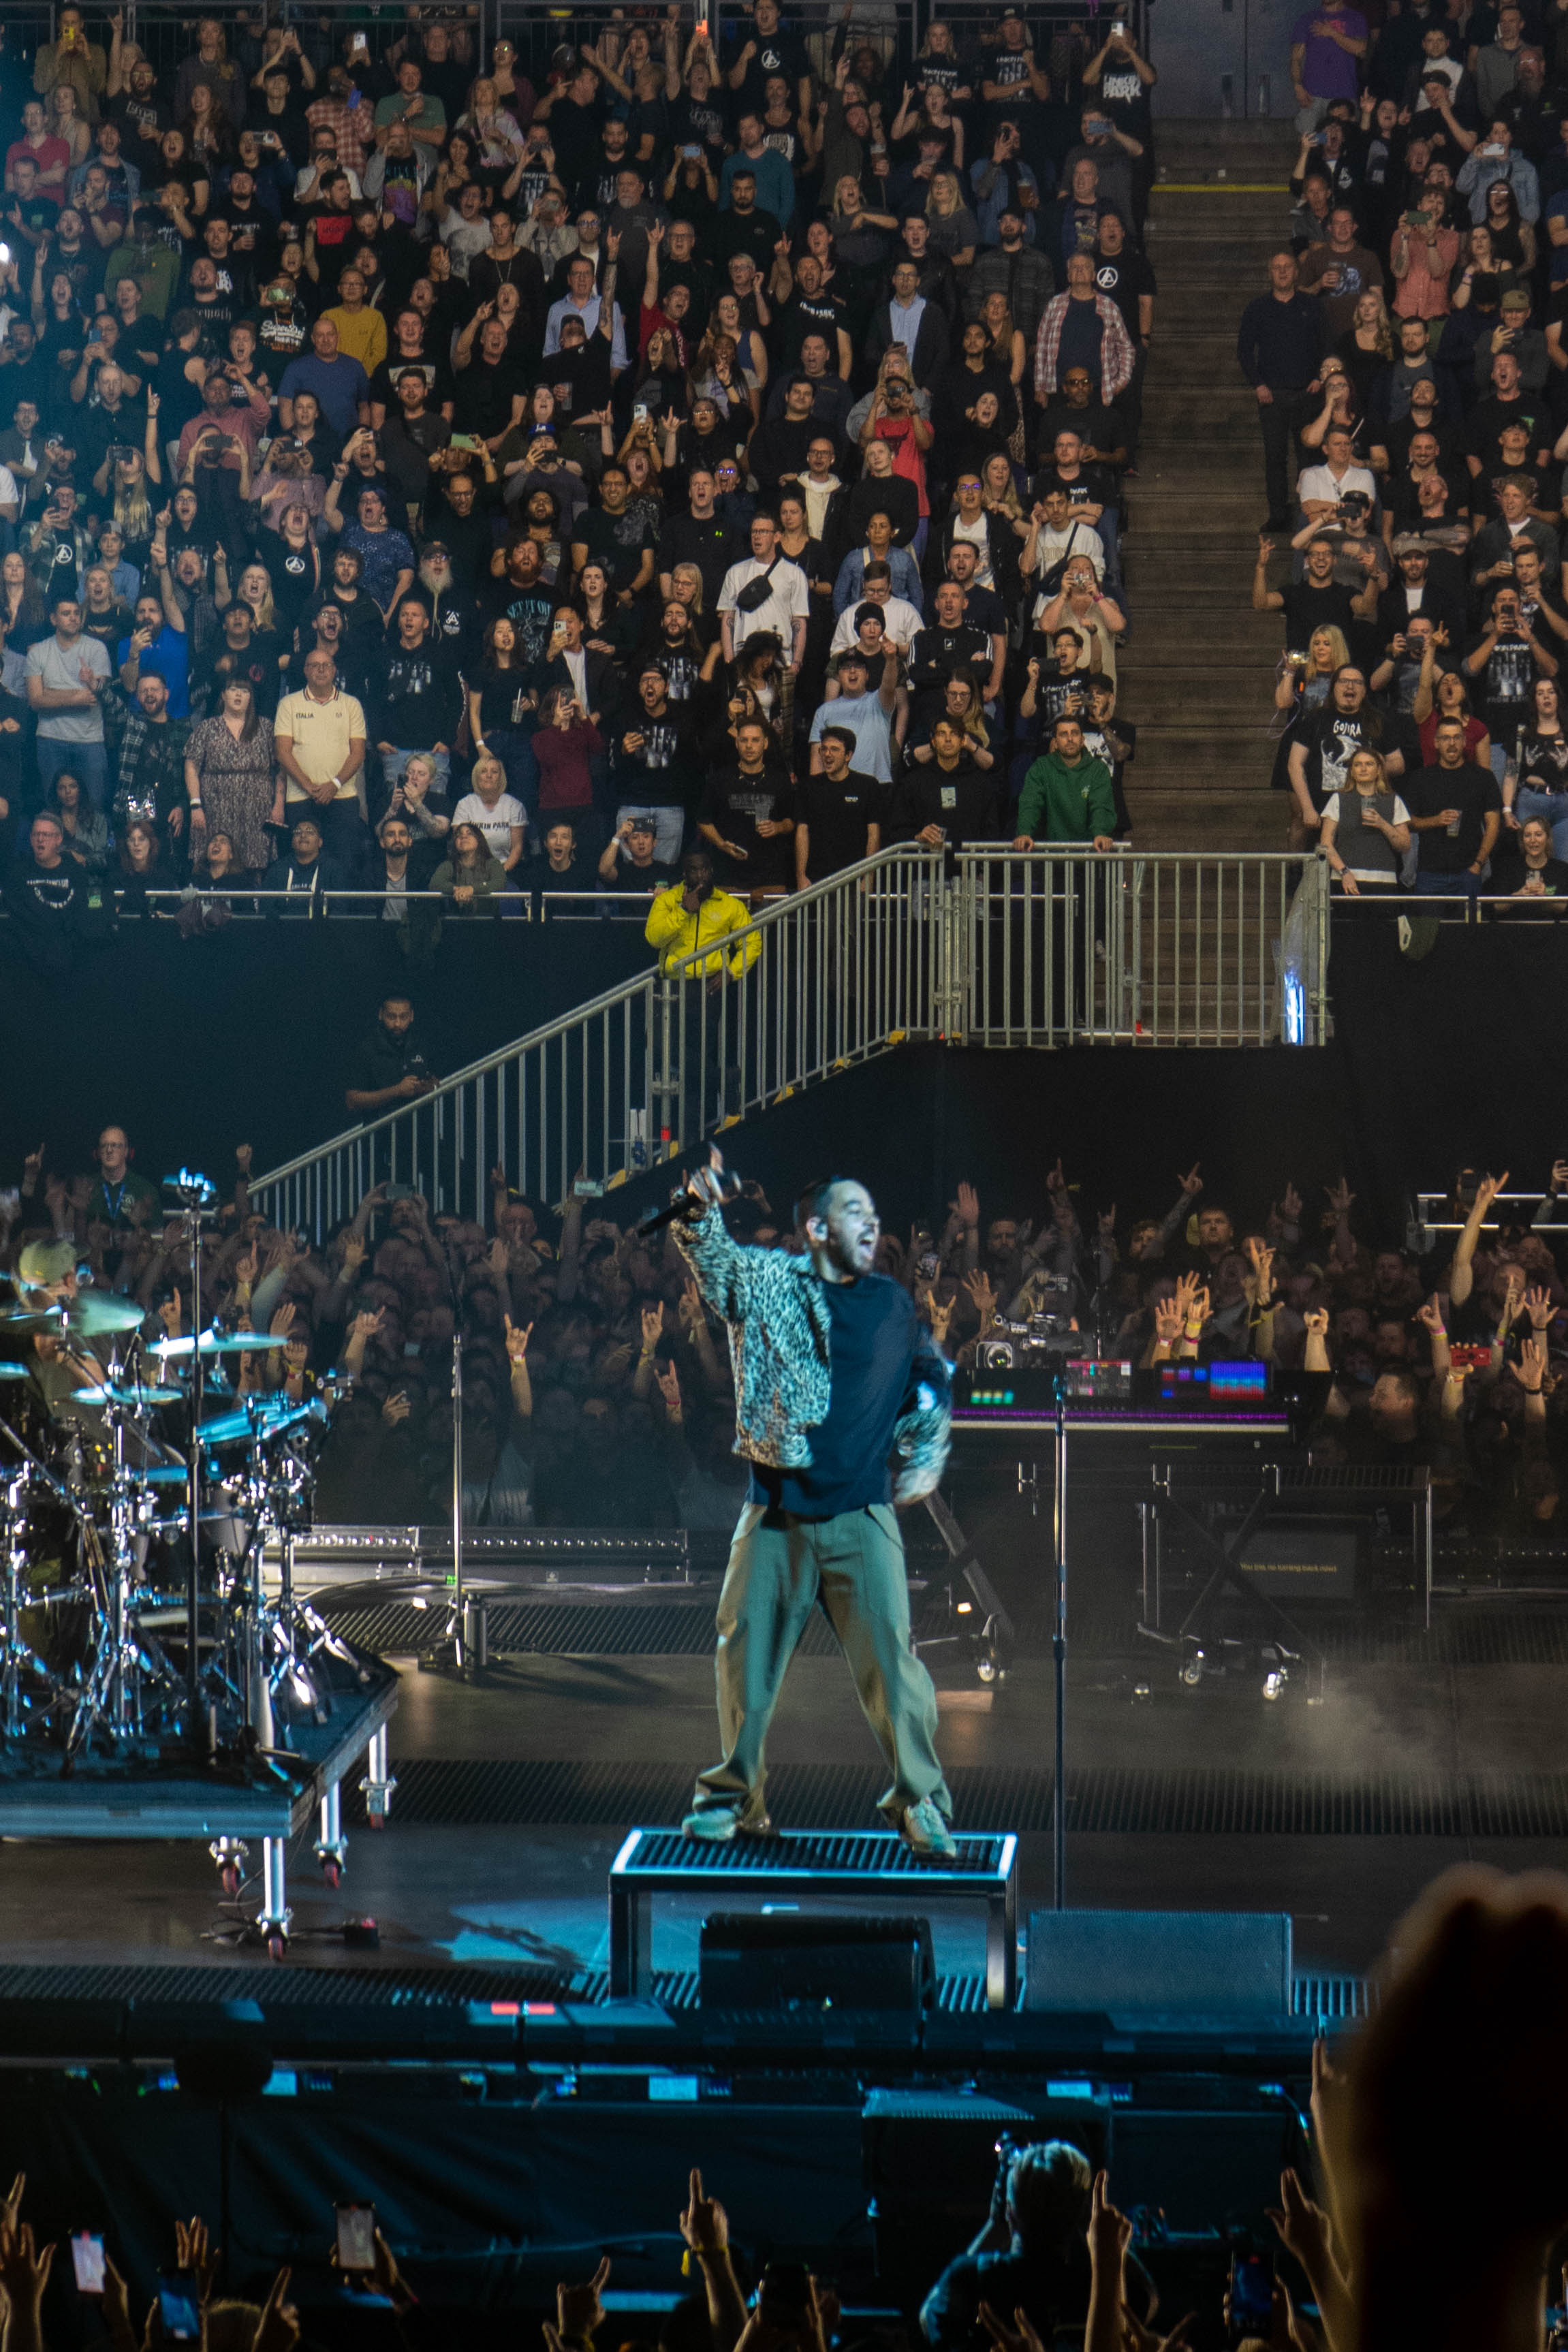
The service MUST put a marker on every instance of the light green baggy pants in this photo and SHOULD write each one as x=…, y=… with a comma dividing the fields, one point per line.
x=779, y=1566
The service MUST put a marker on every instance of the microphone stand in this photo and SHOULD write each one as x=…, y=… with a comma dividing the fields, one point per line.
x=1059, y=1650
x=450, y=1652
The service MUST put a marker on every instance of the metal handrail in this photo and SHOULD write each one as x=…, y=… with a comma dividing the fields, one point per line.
x=1169, y=947
x=606, y=1088
x=993, y=945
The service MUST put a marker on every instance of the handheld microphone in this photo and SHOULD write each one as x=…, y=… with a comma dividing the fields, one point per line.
x=684, y=1204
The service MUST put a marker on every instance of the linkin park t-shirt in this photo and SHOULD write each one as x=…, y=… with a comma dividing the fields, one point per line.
x=1506, y=684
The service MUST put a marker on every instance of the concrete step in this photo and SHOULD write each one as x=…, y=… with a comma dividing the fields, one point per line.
x=1205, y=443
x=1213, y=206
x=1197, y=564
x=1197, y=140
x=1167, y=633
x=1172, y=407
x=1240, y=820
x=1156, y=663
x=1243, y=237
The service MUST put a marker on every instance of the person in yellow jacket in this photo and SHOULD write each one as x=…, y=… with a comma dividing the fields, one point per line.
x=702, y=1043
x=694, y=913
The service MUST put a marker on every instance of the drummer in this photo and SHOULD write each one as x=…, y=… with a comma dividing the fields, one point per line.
x=63, y=1365
x=47, y=1276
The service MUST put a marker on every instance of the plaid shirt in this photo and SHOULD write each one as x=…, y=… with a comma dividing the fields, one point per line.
x=345, y=123
x=1117, y=356
x=151, y=767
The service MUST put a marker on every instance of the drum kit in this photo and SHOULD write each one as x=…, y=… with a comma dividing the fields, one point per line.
x=135, y=1509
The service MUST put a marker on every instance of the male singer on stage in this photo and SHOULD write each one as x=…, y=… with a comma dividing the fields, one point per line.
x=833, y=1376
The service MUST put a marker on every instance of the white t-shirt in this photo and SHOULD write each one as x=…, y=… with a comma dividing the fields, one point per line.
x=1317, y=482
x=899, y=620
x=976, y=535
x=495, y=824
x=789, y=601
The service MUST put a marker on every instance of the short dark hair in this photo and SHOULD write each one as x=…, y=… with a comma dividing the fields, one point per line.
x=813, y=1198
x=845, y=735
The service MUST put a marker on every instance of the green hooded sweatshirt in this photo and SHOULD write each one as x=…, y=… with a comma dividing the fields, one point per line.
x=1062, y=804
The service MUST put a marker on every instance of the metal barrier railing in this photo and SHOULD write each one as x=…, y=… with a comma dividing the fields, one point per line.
x=897, y=949
x=526, y=904
x=1174, y=948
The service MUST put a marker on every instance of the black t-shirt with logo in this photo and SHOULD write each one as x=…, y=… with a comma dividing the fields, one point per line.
x=1504, y=691
x=1124, y=102
x=1009, y=69
x=1509, y=874
x=1543, y=763
x=936, y=654
x=837, y=817
x=1124, y=278
x=777, y=52
x=1090, y=485
x=961, y=800
x=616, y=540
x=734, y=806
x=1332, y=737
x=1470, y=789
x=811, y=314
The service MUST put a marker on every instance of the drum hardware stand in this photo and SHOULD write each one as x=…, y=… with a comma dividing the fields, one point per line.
x=19, y=1659
x=195, y=1198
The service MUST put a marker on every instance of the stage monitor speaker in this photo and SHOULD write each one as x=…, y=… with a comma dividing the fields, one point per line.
x=808, y=1962
x=1168, y=1963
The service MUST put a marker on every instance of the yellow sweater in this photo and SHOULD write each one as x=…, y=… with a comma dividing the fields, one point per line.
x=676, y=934
x=361, y=335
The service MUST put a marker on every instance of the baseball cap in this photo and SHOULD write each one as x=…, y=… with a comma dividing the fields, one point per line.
x=1516, y=298
x=44, y=1262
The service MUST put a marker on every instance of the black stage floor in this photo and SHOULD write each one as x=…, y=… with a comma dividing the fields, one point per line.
x=515, y=1791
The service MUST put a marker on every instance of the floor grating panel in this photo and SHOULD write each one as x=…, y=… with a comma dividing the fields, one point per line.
x=1108, y=1801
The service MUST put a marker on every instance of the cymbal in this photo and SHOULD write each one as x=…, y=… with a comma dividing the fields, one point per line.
x=265, y=1416
x=135, y=1398
x=91, y=1315
x=15, y=1373
x=219, y=1343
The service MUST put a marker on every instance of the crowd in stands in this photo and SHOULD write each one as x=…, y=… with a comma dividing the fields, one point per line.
x=596, y=1384
x=1409, y=356
x=421, y=466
